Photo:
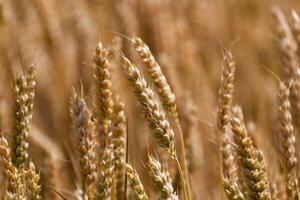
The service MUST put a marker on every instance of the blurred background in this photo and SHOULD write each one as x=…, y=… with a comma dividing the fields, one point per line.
x=186, y=37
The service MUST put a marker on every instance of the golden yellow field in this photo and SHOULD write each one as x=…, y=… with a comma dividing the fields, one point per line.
x=149, y=99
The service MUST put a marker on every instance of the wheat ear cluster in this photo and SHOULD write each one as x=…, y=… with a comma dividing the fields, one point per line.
x=155, y=117
x=161, y=179
x=84, y=130
x=288, y=142
x=136, y=183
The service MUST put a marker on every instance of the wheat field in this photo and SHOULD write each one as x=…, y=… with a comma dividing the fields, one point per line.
x=149, y=99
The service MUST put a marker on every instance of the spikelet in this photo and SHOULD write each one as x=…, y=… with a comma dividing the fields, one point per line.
x=162, y=180
x=104, y=185
x=224, y=114
x=84, y=130
x=103, y=93
x=33, y=179
x=162, y=87
x=288, y=143
x=136, y=183
x=252, y=162
x=119, y=143
x=150, y=108
x=10, y=171
x=232, y=191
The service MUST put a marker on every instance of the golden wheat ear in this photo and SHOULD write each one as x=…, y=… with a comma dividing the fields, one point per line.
x=135, y=183
x=161, y=179
x=289, y=158
x=103, y=93
x=119, y=145
x=10, y=171
x=252, y=163
x=232, y=191
x=105, y=174
x=162, y=87
x=33, y=179
x=23, y=106
x=84, y=131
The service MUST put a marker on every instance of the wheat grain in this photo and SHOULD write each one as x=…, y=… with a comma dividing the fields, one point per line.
x=33, y=179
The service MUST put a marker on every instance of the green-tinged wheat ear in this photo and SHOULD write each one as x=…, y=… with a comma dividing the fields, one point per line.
x=33, y=178
x=155, y=117
x=84, y=131
x=136, y=183
x=23, y=106
x=232, y=191
x=223, y=117
x=289, y=158
x=10, y=171
x=105, y=175
x=252, y=163
x=103, y=93
x=119, y=145
x=162, y=86
x=161, y=179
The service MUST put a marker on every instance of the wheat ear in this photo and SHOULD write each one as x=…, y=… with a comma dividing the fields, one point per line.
x=232, y=191
x=155, y=117
x=84, y=130
x=104, y=185
x=288, y=143
x=287, y=45
x=33, y=179
x=161, y=179
x=119, y=143
x=136, y=183
x=103, y=92
x=162, y=87
x=23, y=105
x=223, y=117
x=252, y=162
x=10, y=171
x=165, y=93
